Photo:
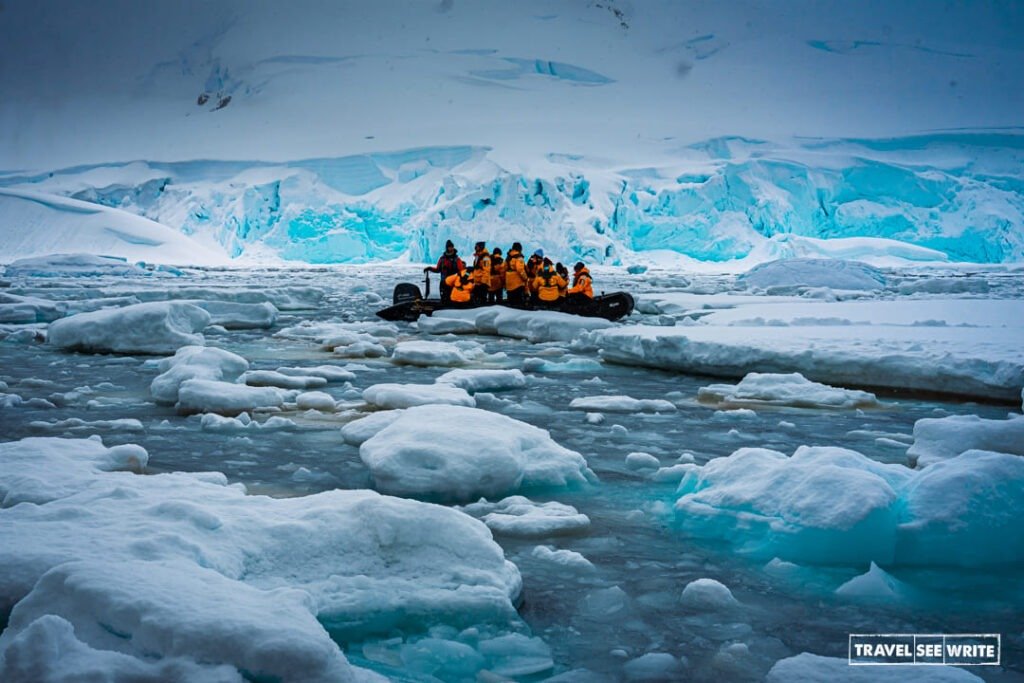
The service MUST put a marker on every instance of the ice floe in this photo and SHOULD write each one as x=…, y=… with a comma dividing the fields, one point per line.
x=812, y=668
x=271, y=378
x=937, y=439
x=707, y=595
x=622, y=404
x=225, y=398
x=194, y=362
x=149, y=328
x=390, y=395
x=520, y=516
x=791, y=389
x=790, y=274
x=483, y=380
x=534, y=326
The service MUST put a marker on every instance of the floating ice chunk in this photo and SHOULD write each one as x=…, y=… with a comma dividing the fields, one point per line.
x=804, y=272
x=520, y=516
x=642, y=461
x=539, y=365
x=437, y=324
x=568, y=559
x=225, y=398
x=810, y=668
x=670, y=475
x=38, y=470
x=791, y=389
x=605, y=604
x=594, y=418
x=29, y=655
x=441, y=659
x=194, y=362
x=516, y=655
x=358, y=431
x=270, y=378
x=534, y=326
x=483, y=380
x=389, y=396
x=232, y=315
x=315, y=400
x=937, y=439
x=22, y=310
x=126, y=424
x=331, y=373
x=731, y=415
x=157, y=327
x=429, y=353
x=653, y=666
x=361, y=349
x=622, y=404
x=944, y=285
x=874, y=585
x=460, y=453
x=212, y=422
x=707, y=595
x=174, y=608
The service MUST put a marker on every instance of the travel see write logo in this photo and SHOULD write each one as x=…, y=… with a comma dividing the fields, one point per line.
x=961, y=649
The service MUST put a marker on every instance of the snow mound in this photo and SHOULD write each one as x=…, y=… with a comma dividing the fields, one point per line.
x=952, y=360
x=194, y=362
x=459, y=453
x=271, y=378
x=429, y=354
x=622, y=404
x=189, y=566
x=810, y=668
x=707, y=595
x=791, y=274
x=157, y=327
x=331, y=373
x=225, y=398
x=642, y=461
x=520, y=516
x=358, y=431
x=874, y=585
x=475, y=381
x=232, y=315
x=533, y=326
x=36, y=224
x=315, y=400
x=567, y=559
x=791, y=389
x=653, y=667
x=835, y=506
x=390, y=396
x=937, y=439
x=74, y=265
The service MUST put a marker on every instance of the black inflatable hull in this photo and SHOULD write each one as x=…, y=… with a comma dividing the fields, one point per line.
x=608, y=306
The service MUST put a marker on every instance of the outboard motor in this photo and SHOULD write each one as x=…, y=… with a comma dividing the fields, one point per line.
x=404, y=292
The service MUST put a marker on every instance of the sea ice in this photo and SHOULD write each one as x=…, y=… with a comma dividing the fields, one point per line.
x=520, y=516
x=811, y=668
x=474, y=381
x=807, y=272
x=271, y=378
x=937, y=439
x=194, y=362
x=390, y=396
x=622, y=404
x=225, y=398
x=431, y=353
x=157, y=327
x=707, y=595
x=791, y=389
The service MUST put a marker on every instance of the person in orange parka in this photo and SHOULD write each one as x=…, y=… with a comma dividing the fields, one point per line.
x=546, y=285
x=497, y=289
x=481, y=273
x=460, y=288
x=582, y=283
x=516, y=279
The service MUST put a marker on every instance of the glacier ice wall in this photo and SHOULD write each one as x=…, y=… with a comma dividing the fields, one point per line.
x=961, y=194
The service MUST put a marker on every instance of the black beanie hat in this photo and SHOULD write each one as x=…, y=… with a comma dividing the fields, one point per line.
x=449, y=245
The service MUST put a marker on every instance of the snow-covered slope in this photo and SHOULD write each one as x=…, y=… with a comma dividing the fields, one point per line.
x=608, y=130
x=35, y=224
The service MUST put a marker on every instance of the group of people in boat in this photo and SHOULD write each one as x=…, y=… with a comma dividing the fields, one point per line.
x=511, y=279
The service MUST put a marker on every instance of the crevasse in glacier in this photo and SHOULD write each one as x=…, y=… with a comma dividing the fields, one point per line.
x=959, y=195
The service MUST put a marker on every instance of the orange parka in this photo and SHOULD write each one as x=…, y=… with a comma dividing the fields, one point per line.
x=582, y=283
x=498, y=270
x=547, y=284
x=515, y=271
x=482, y=269
x=462, y=286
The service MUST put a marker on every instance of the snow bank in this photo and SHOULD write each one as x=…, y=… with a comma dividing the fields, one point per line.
x=834, y=506
x=36, y=224
x=225, y=398
x=937, y=439
x=459, y=453
x=194, y=362
x=790, y=274
x=533, y=326
x=811, y=668
x=390, y=396
x=520, y=516
x=183, y=565
x=949, y=360
x=74, y=265
x=784, y=390
x=474, y=381
x=155, y=327
x=622, y=404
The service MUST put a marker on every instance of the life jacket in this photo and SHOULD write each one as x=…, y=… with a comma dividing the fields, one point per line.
x=497, y=273
x=583, y=284
x=564, y=286
x=462, y=286
x=547, y=284
x=482, y=269
x=449, y=265
x=515, y=271
x=533, y=266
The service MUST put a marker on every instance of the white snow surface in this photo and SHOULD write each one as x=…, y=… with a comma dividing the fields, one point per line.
x=533, y=326
x=389, y=396
x=189, y=567
x=804, y=272
x=520, y=516
x=706, y=595
x=194, y=362
x=157, y=327
x=460, y=453
x=937, y=439
x=225, y=398
x=622, y=404
x=791, y=389
x=474, y=380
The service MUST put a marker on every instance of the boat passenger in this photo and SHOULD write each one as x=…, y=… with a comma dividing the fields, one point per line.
x=546, y=285
x=481, y=273
x=516, y=280
x=460, y=285
x=449, y=264
x=496, y=292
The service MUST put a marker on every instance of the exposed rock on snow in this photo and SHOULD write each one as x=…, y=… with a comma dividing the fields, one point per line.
x=225, y=398
x=155, y=327
x=520, y=516
x=459, y=453
x=791, y=389
x=389, y=396
x=194, y=362
x=622, y=404
x=937, y=439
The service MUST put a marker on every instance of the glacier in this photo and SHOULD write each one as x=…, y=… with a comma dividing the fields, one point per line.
x=729, y=201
